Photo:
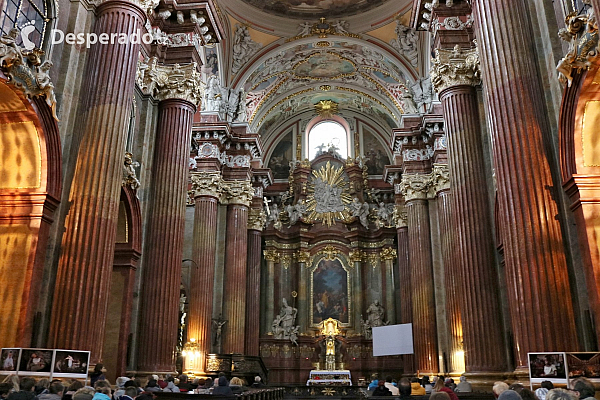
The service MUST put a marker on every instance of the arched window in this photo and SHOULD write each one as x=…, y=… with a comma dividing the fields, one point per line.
x=21, y=13
x=327, y=137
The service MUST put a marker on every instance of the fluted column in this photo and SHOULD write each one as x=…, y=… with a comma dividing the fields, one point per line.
x=85, y=266
x=207, y=188
x=358, y=257
x=388, y=256
x=414, y=188
x=454, y=74
x=272, y=257
x=536, y=269
x=303, y=257
x=239, y=195
x=165, y=231
x=401, y=221
x=256, y=221
x=452, y=277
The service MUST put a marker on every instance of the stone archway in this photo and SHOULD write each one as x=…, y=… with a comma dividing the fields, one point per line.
x=30, y=176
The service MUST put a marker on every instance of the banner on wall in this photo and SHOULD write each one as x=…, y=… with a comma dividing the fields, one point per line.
x=57, y=363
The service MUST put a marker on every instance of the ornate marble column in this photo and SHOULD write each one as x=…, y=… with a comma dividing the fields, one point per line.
x=388, y=256
x=536, y=268
x=414, y=187
x=454, y=75
x=401, y=221
x=256, y=221
x=86, y=262
x=441, y=190
x=164, y=238
x=303, y=257
x=358, y=257
x=207, y=190
x=272, y=257
x=238, y=195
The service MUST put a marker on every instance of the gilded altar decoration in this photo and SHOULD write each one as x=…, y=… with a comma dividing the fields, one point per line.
x=326, y=108
x=328, y=196
x=129, y=175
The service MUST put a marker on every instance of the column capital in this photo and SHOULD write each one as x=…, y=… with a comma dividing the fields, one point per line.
x=271, y=255
x=415, y=186
x=357, y=256
x=147, y=6
x=440, y=179
x=302, y=256
x=237, y=192
x=206, y=183
x=170, y=81
x=455, y=67
x=400, y=216
x=256, y=219
x=388, y=253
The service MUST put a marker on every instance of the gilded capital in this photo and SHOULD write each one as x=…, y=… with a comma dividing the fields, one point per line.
x=170, y=81
x=302, y=256
x=357, y=256
x=373, y=259
x=440, y=179
x=237, y=192
x=285, y=260
x=271, y=255
x=388, y=254
x=206, y=183
x=415, y=186
x=256, y=219
x=400, y=216
x=455, y=67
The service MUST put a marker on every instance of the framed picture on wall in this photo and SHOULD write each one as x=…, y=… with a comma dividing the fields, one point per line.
x=9, y=359
x=71, y=364
x=36, y=362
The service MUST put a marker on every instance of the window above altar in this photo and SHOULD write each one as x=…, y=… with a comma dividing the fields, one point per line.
x=327, y=137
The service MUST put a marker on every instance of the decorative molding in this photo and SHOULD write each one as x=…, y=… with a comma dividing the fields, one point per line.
x=373, y=260
x=417, y=154
x=440, y=143
x=581, y=33
x=322, y=29
x=329, y=251
x=237, y=192
x=451, y=24
x=285, y=260
x=415, y=186
x=170, y=81
x=244, y=48
x=26, y=70
x=206, y=183
x=257, y=219
x=209, y=150
x=455, y=67
x=326, y=108
x=406, y=43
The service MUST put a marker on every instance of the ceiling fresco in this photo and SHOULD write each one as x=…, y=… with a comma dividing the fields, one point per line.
x=315, y=8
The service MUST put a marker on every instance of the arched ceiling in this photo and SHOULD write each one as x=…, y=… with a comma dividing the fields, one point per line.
x=314, y=9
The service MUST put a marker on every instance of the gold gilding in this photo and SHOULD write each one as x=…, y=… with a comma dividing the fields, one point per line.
x=589, y=137
x=10, y=100
x=21, y=158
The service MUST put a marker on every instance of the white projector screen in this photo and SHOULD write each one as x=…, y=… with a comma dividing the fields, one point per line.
x=392, y=339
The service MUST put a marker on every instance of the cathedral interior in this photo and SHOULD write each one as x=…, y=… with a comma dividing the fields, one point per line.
x=253, y=186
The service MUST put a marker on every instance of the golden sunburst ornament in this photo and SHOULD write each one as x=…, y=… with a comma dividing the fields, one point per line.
x=328, y=196
x=326, y=108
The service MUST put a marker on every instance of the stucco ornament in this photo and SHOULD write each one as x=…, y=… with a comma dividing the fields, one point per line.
x=328, y=196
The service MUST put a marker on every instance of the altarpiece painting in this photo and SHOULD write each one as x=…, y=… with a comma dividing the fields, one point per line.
x=330, y=292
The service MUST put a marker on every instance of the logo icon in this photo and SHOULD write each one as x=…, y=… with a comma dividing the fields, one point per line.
x=25, y=32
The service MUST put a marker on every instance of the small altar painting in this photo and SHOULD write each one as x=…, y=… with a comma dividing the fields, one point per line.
x=281, y=157
x=377, y=157
x=330, y=292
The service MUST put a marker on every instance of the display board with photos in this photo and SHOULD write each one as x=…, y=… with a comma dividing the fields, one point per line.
x=548, y=367
x=584, y=365
x=45, y=362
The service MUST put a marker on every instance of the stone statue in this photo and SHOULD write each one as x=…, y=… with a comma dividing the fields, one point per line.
x=283, y=324
x=422, y=92
x=274, y=216
x=182, y=301
x=295, y=212
x=241, y=115
x=385, y=214
x=304, y=29
x=361, y=211
x=243, y=47
x=129, y=176
x=213, y=97
x=406, y=43
x=375, y=314
x=408, y=101
x=341, y=27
